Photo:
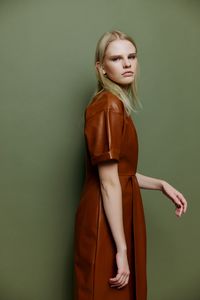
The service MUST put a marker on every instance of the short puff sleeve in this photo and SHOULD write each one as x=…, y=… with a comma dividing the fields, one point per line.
x=103, y=132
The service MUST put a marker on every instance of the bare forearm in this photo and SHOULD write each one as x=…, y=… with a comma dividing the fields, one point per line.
x=112, y=201
x=151, y=183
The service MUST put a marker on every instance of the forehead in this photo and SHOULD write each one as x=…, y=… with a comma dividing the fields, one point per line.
x=119, y=47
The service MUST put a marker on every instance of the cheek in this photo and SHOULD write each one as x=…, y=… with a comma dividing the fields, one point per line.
x=113, y=69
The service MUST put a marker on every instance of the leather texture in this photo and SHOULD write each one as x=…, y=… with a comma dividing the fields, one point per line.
x=110, y=134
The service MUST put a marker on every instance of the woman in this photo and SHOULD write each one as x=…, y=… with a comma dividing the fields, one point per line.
x=110, y=231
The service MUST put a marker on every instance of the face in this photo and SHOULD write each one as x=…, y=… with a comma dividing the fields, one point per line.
x=120, y=57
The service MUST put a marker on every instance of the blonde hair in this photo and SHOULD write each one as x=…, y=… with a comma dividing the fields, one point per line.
x=129, y=95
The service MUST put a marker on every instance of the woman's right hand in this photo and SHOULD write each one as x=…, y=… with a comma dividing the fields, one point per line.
x=122, y=277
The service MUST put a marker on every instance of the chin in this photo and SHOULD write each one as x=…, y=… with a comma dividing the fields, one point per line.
x=123, y=83
x=126, y=83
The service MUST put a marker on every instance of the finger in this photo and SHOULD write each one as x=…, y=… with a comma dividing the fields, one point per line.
x=182, y=198
x=183, y=201
x=119, y=285
x=116, y=283
x=120, y=280
x=177, y=202
x=179, y=208
x=179, y=211
x=116, y=278
x=125, y=282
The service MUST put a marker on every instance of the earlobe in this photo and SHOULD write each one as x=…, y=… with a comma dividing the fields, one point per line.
x=97, y=66
x=104, y=72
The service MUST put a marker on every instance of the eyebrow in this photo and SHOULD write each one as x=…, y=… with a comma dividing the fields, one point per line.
x=112, y=56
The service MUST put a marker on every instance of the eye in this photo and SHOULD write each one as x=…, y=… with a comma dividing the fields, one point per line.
x=115, y=58
x=132, y=56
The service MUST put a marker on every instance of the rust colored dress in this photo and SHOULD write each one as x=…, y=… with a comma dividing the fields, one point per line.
x=110, y=134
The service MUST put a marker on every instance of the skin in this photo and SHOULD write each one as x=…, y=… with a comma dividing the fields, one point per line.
x=119, y=57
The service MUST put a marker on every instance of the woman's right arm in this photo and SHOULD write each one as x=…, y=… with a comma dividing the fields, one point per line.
x=112, y=201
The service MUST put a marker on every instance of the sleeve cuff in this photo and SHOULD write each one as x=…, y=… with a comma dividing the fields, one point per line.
x=110, y=155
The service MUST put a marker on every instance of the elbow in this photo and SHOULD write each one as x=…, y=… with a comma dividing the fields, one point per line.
x=109, y=183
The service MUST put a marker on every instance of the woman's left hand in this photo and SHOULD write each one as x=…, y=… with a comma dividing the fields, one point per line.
x=176, y=197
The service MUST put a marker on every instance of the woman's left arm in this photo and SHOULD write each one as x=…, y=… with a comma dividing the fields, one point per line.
x=151, y=183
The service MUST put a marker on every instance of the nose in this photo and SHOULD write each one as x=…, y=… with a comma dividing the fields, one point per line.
x=126, y=63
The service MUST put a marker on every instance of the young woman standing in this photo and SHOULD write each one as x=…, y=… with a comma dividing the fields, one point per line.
x=110, y=231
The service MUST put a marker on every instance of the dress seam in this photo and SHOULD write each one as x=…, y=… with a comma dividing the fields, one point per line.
x=104, y=110
x=94, y=268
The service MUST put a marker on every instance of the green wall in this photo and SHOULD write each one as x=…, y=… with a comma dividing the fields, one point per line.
x=47, y=77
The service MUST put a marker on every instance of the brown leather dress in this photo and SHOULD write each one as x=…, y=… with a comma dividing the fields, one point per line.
x=110, y=134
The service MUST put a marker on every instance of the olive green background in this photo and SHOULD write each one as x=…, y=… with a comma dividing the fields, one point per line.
x=47, y=78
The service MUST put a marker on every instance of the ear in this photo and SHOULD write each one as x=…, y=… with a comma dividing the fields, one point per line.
x=98, y=66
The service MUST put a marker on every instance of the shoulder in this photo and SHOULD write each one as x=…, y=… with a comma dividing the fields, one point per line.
x=104, y=101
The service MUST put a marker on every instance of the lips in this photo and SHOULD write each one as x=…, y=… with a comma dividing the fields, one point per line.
x=128, y=73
